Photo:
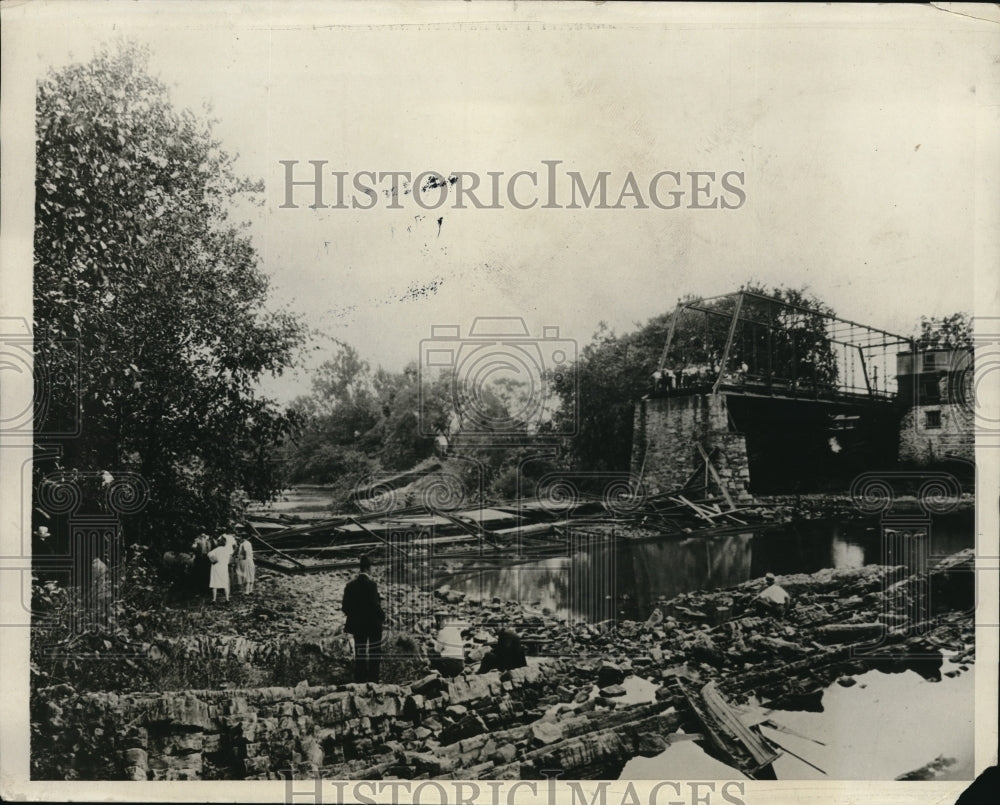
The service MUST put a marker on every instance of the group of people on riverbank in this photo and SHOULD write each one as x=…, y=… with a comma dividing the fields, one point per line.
x=223, y=563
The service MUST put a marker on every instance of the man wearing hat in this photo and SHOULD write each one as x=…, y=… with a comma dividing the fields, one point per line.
x=363, y=606
x=773, y=599
x=43, y=544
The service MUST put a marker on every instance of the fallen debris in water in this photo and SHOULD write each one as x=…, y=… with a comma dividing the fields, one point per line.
x=564, y=710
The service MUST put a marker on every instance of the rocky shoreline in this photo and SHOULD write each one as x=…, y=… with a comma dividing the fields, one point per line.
x=566, y=710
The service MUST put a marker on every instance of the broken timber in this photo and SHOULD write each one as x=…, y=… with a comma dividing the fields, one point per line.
x=279, y=552
x=715, y=475
x=479, y=530
x=732, y=741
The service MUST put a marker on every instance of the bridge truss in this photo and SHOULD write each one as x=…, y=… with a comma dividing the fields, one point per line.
x=756, y=344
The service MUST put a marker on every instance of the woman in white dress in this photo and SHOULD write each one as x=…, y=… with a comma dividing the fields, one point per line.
x=219, y=556
x=246, y=570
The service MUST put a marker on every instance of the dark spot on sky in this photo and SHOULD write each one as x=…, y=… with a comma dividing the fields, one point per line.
x=419, y=291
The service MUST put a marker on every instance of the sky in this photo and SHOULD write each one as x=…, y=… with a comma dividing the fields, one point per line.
x=866, y=135
x=858, y=134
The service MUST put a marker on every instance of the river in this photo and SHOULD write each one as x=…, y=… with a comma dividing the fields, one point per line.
x=607, y=578
x=882, y=727
x=877, y=729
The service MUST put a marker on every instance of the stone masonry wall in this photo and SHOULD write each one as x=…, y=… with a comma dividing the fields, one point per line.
x=954, y=439
x=666, y=433
x=354, y=730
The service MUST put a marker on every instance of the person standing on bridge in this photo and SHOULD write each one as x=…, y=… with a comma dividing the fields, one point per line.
x=363, y=606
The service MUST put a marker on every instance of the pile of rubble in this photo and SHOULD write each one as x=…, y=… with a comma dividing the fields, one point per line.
x=566, y=710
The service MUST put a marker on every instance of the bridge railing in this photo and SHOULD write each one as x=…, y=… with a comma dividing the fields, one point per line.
x=759, y=344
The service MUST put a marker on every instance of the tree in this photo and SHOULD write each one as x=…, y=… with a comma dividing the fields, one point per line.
x=138, y=262
x=613, y=371
x=945, y=332
x=359, y=425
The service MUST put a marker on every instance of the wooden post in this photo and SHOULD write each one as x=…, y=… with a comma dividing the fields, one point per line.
x=670, y=338
x=729, y=343
x=864, y=369
x=715, y=474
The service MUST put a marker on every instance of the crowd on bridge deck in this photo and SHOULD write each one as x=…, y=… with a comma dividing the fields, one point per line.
x=693, y=376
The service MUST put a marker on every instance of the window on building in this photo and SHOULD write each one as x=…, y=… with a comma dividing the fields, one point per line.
x=932, y=419
x=930, y=392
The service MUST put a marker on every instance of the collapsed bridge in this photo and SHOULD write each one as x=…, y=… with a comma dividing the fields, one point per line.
x=765, y=395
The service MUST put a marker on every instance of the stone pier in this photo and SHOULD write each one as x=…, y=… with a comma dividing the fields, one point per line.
x=666, y=435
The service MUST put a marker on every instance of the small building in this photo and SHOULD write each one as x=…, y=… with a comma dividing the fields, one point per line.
x=936, y=395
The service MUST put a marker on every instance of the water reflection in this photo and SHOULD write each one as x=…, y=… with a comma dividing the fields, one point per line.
x=846, y=554
x=602, y=578
x=864, y=732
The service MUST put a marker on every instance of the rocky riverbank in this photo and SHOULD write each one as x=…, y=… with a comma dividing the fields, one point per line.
x=564, y=711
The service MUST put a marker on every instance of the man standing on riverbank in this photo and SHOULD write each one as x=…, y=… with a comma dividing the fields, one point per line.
x=363, y=606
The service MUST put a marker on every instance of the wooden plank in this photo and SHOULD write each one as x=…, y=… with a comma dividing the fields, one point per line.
x=727, y=752
x=702, y=513
x=532, y=529
x=298, y=571
x=715, y=474
x=267, y=544
x=481, y=532
x=380, y=538
x=733, y=741
x=727, y=717
x=776, y=742
x=267, y=563
x=770, y=722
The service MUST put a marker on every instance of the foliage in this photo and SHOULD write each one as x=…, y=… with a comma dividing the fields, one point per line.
x=945, y=332
x=138, y=263
x=615, y=370
x=356, y=424
x=360, y=424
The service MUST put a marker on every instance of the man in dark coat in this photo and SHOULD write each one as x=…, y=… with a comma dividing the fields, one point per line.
x=507, y=654
x=363, y=607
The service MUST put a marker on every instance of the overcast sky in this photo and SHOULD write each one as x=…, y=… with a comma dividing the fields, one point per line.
x=858, y=131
